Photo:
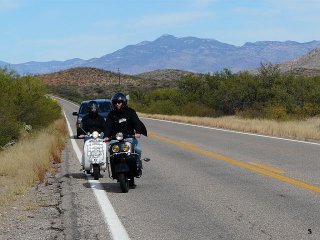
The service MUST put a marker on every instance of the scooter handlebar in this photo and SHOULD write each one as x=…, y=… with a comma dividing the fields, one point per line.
x=123, y=137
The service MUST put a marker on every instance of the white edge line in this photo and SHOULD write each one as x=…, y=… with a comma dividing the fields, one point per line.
x=115, y=226
x=223, y=130
x=66, y=100
x=232, y=131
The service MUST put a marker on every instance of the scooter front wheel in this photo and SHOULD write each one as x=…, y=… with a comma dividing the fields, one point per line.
x=131, y=183
x=96, y=172
x=124, y=183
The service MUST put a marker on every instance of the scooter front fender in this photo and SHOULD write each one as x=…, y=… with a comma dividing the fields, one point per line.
x=121, y=168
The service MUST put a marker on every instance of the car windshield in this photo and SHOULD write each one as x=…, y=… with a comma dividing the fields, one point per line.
x=83, y=108
x=103, y=107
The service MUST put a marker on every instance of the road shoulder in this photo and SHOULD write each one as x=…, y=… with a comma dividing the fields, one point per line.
x=36, y=214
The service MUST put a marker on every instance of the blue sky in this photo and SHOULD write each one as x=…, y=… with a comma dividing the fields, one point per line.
x=44, y=30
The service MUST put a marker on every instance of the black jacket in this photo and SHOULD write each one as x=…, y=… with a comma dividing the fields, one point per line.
x=126, y=121
x=92, y=123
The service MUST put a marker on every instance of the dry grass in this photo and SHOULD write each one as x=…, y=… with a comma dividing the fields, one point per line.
x=302, y=130
x=27, y=162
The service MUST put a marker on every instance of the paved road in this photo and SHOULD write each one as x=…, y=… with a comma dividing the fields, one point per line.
x=200, y=184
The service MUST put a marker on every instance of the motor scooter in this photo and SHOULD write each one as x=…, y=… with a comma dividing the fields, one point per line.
x=125, y=162
x=94, y=156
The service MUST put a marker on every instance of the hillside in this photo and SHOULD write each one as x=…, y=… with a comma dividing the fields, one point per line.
x=308, y=64
x=164, y=75
x=93, y=82
x=83, y=76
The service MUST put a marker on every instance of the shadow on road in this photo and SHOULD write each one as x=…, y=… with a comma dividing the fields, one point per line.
x=79, y=175
x=108, y=187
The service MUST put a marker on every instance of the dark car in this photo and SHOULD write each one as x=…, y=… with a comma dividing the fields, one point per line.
x=105, y=107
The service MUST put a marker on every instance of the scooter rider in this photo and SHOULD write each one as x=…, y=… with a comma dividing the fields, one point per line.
x=93, y=121
x=124, y=119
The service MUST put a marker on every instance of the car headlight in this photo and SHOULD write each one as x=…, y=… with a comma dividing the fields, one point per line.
x=126, y=148
x=115, y=148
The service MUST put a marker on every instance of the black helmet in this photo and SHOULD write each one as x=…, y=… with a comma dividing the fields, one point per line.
x=119, y=97
x=93, y=107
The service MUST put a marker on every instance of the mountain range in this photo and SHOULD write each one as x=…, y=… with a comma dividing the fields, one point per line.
x=186, y=53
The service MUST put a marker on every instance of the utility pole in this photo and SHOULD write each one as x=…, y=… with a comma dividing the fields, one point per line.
x=119, y=76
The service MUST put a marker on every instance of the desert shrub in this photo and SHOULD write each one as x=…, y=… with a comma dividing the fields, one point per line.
x=305, y=111
x=67, y=91
x=197, y=109
x=276, y=112
x=23, y=102
x=33, y=107
x=166, y=107
x=9, y=131
x=163, y=94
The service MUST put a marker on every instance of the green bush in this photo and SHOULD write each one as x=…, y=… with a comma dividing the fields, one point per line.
x=9, y=131
x=197, y=109
x=166, y=107
x=23, y=102
x=276, y=112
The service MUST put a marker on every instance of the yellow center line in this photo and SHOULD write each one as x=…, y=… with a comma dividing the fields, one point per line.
x=239, y=163
x=271, y=169
x=188, y=144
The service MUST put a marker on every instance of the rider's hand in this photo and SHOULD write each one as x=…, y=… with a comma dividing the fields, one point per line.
x=137, y=135
x=81, y=136
x=106, y=139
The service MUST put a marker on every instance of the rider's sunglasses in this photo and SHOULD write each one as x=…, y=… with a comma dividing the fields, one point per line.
x=118, y=102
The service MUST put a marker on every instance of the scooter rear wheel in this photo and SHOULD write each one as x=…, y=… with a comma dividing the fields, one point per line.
x=124, y=183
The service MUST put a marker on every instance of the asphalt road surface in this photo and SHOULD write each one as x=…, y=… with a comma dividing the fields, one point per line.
x=201, y=183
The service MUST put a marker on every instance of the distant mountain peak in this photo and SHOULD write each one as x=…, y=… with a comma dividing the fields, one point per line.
x=167, y=36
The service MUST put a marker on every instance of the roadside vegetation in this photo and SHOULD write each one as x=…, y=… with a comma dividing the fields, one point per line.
x=32, y=134
x=30, y=160
x=266, y=102
x=23, y=106
x=267, y=95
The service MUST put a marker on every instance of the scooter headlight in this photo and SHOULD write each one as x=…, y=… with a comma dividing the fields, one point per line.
x=95, y=134
x=119, y=136
x=115, y=148
x=126, y=148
